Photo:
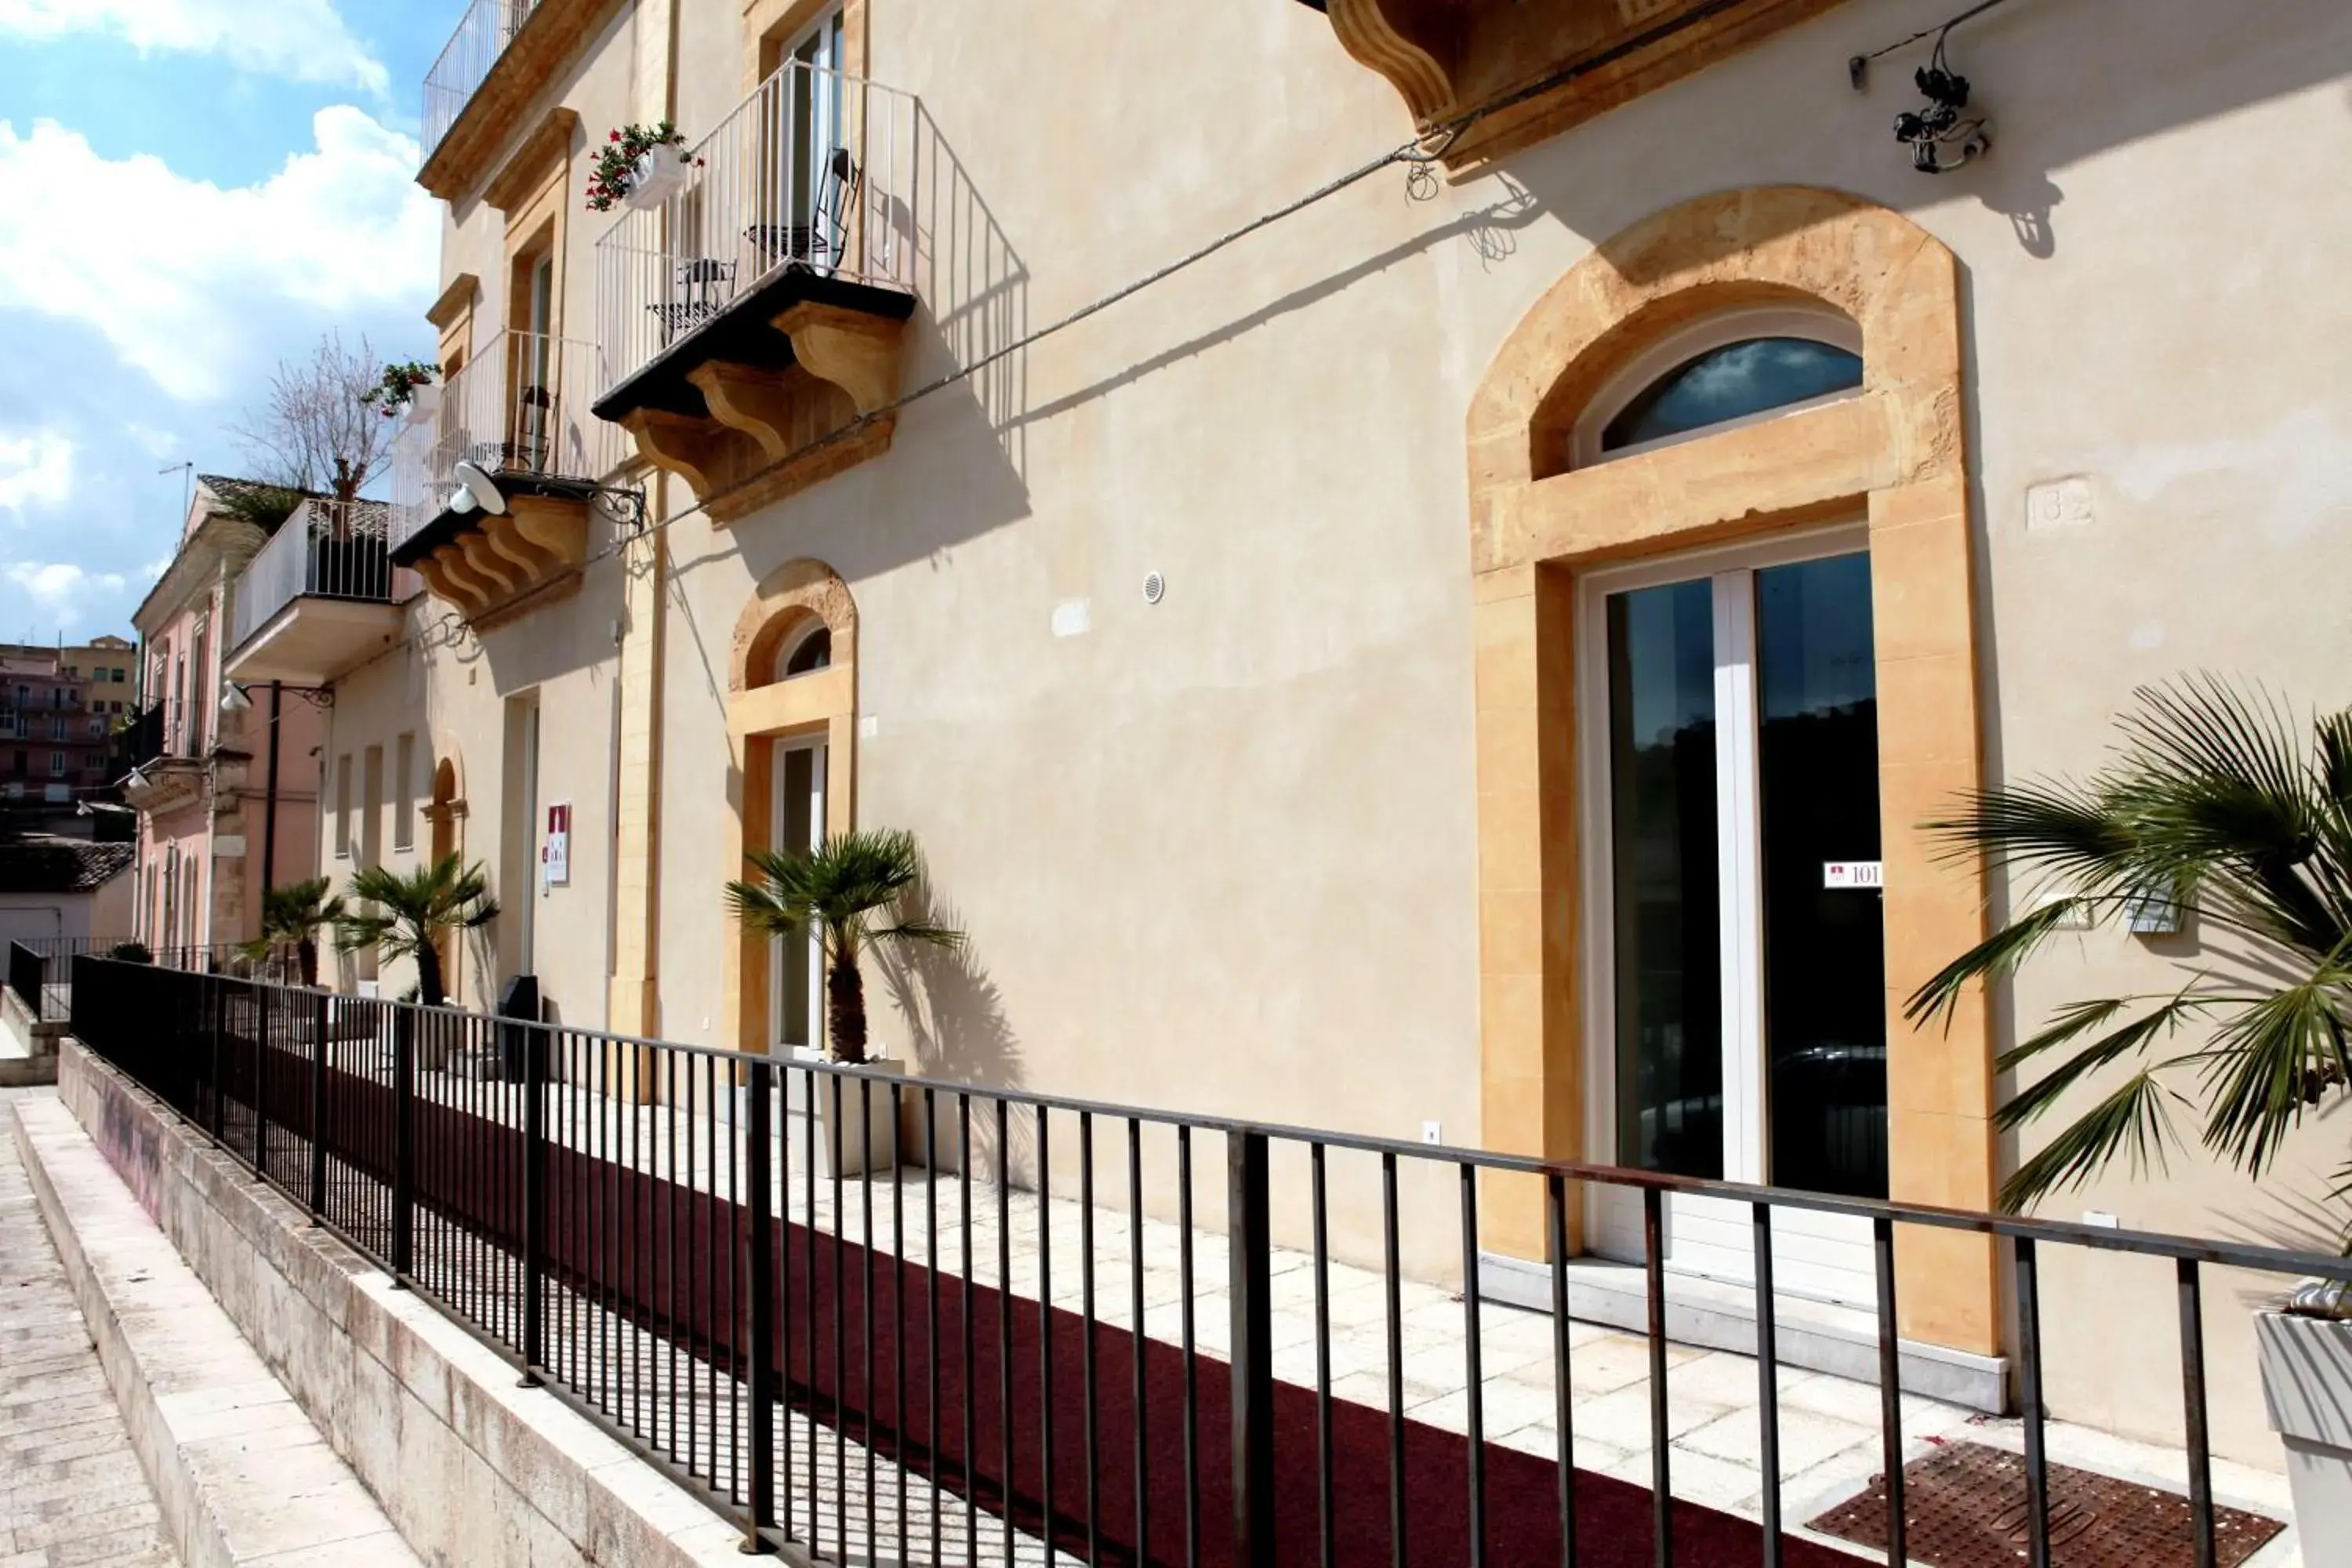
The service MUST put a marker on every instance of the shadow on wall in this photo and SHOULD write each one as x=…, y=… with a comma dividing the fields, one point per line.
x=957, y=1033
x=2061, y=82
x=972, y=293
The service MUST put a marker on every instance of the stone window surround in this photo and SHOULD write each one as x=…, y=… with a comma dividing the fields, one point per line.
x=763, y=710
x=1894, y=452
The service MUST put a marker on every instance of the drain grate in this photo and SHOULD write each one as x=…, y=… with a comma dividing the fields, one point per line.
x=1965, y=1505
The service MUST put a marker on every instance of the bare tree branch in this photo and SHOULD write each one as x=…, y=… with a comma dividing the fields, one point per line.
x=311, y=432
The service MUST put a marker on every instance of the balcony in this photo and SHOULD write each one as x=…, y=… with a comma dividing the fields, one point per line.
x=320, y=596
x=502, y=54
x=518, y=413
x=752, y=320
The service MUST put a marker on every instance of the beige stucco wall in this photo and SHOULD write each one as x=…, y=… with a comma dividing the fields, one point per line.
x=1221, y=853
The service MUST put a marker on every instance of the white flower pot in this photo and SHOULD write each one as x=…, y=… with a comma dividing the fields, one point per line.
x=2307, y=1386
x=866, y=1144
x=658, y=174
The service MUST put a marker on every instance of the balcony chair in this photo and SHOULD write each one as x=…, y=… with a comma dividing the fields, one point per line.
x=704, y=288
x=823, y=240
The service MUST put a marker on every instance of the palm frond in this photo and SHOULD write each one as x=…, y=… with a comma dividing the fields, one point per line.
x=2068, y=829
x=2270, y=1063
x=2130, y=1039
x=2131, y=1121
x=1997, y=955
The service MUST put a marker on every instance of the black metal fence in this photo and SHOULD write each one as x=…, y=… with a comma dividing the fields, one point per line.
x=40, y=969
x=736, y=1266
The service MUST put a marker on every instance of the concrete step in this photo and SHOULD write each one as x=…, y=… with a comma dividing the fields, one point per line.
x=241, y=1474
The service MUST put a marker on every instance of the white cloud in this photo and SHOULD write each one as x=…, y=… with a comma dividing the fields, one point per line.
x=35, y=469
x=61, y=589
x=303, y=40
x=183, y=276
x=156, y=443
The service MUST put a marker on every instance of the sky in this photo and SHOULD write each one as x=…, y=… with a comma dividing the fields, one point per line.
x=191, y=191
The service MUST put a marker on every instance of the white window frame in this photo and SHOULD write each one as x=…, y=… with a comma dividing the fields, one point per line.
x=819, y=747
x=1706, y=1237
x=1816, y=323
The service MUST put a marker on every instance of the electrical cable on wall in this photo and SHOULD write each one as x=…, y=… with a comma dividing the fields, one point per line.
x=1430, y=146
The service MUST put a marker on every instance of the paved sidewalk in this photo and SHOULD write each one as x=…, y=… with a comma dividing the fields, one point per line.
x=71, y=1491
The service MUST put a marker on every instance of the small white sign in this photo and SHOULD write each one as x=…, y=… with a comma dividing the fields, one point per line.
x=556, y=854
x=229, y=847
x=1852, y=874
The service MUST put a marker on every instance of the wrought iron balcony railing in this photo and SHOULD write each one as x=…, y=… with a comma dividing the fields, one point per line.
x=482, y=36
x=520, y=409
x=327, y=550
x=815, y=172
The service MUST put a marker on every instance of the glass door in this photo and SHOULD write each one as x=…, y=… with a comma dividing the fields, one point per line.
x=796, y=963
x=1740, y=990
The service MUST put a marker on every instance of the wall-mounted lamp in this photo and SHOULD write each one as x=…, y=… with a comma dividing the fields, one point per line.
x=479, y=490
x=1942, y=136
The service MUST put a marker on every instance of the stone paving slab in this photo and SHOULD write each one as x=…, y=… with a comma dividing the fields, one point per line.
x=242, y=1477
x=71, y=1489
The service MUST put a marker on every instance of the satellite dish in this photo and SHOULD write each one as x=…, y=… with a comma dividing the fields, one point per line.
x=476, y=490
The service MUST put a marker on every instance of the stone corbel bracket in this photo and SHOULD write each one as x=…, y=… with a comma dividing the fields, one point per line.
x=772, y=433
x=511, y=564
x=1373, y=40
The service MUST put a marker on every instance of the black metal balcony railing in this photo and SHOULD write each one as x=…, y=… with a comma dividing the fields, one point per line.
x=482, y=36
x=655, y=1233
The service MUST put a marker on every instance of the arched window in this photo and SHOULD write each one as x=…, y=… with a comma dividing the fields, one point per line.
x=810, y=652
x=1728, y=371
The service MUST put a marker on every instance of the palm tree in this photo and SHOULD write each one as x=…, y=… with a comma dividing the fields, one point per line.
x=2211, y=804
x=293, y=916
x=840, y=889
x=413, y=911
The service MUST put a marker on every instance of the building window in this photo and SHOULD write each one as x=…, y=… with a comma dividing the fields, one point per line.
x=57, y=727
x=372, y=806
x=56, y=765
x=404, y=792
x=344, y=806
x=812, y=653
x=116, y=676
x=1731, y=370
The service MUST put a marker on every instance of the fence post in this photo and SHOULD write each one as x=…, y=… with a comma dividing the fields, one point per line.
x=1249, y=1217
x=534, y=1208
x=319, y=1108
x=404, y=1143
x=259, y=1014
x=213, y=1012
x=757, y=1175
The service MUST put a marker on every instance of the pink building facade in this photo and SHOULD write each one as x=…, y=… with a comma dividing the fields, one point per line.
x=217, y=824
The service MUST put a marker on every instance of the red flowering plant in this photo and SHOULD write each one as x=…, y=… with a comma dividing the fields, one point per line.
x=398, y=388
x=616, y=173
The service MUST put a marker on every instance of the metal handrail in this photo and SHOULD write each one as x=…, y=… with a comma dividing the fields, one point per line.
x=555, y=1120
x=326, y=549
x=520, y=406
x=816, y=170
x=466, y=62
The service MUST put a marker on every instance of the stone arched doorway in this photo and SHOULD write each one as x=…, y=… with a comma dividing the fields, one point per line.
x=1891, y=456
x=792, y=710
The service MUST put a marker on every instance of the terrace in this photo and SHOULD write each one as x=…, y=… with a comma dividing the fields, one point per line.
x=319, y=597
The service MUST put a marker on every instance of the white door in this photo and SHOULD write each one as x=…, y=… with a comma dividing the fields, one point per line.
x=797, y=965
x=1736, y=957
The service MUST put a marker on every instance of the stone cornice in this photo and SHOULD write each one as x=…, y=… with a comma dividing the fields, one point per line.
x=553, y=36
x=463, y=290
x=525, y=172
